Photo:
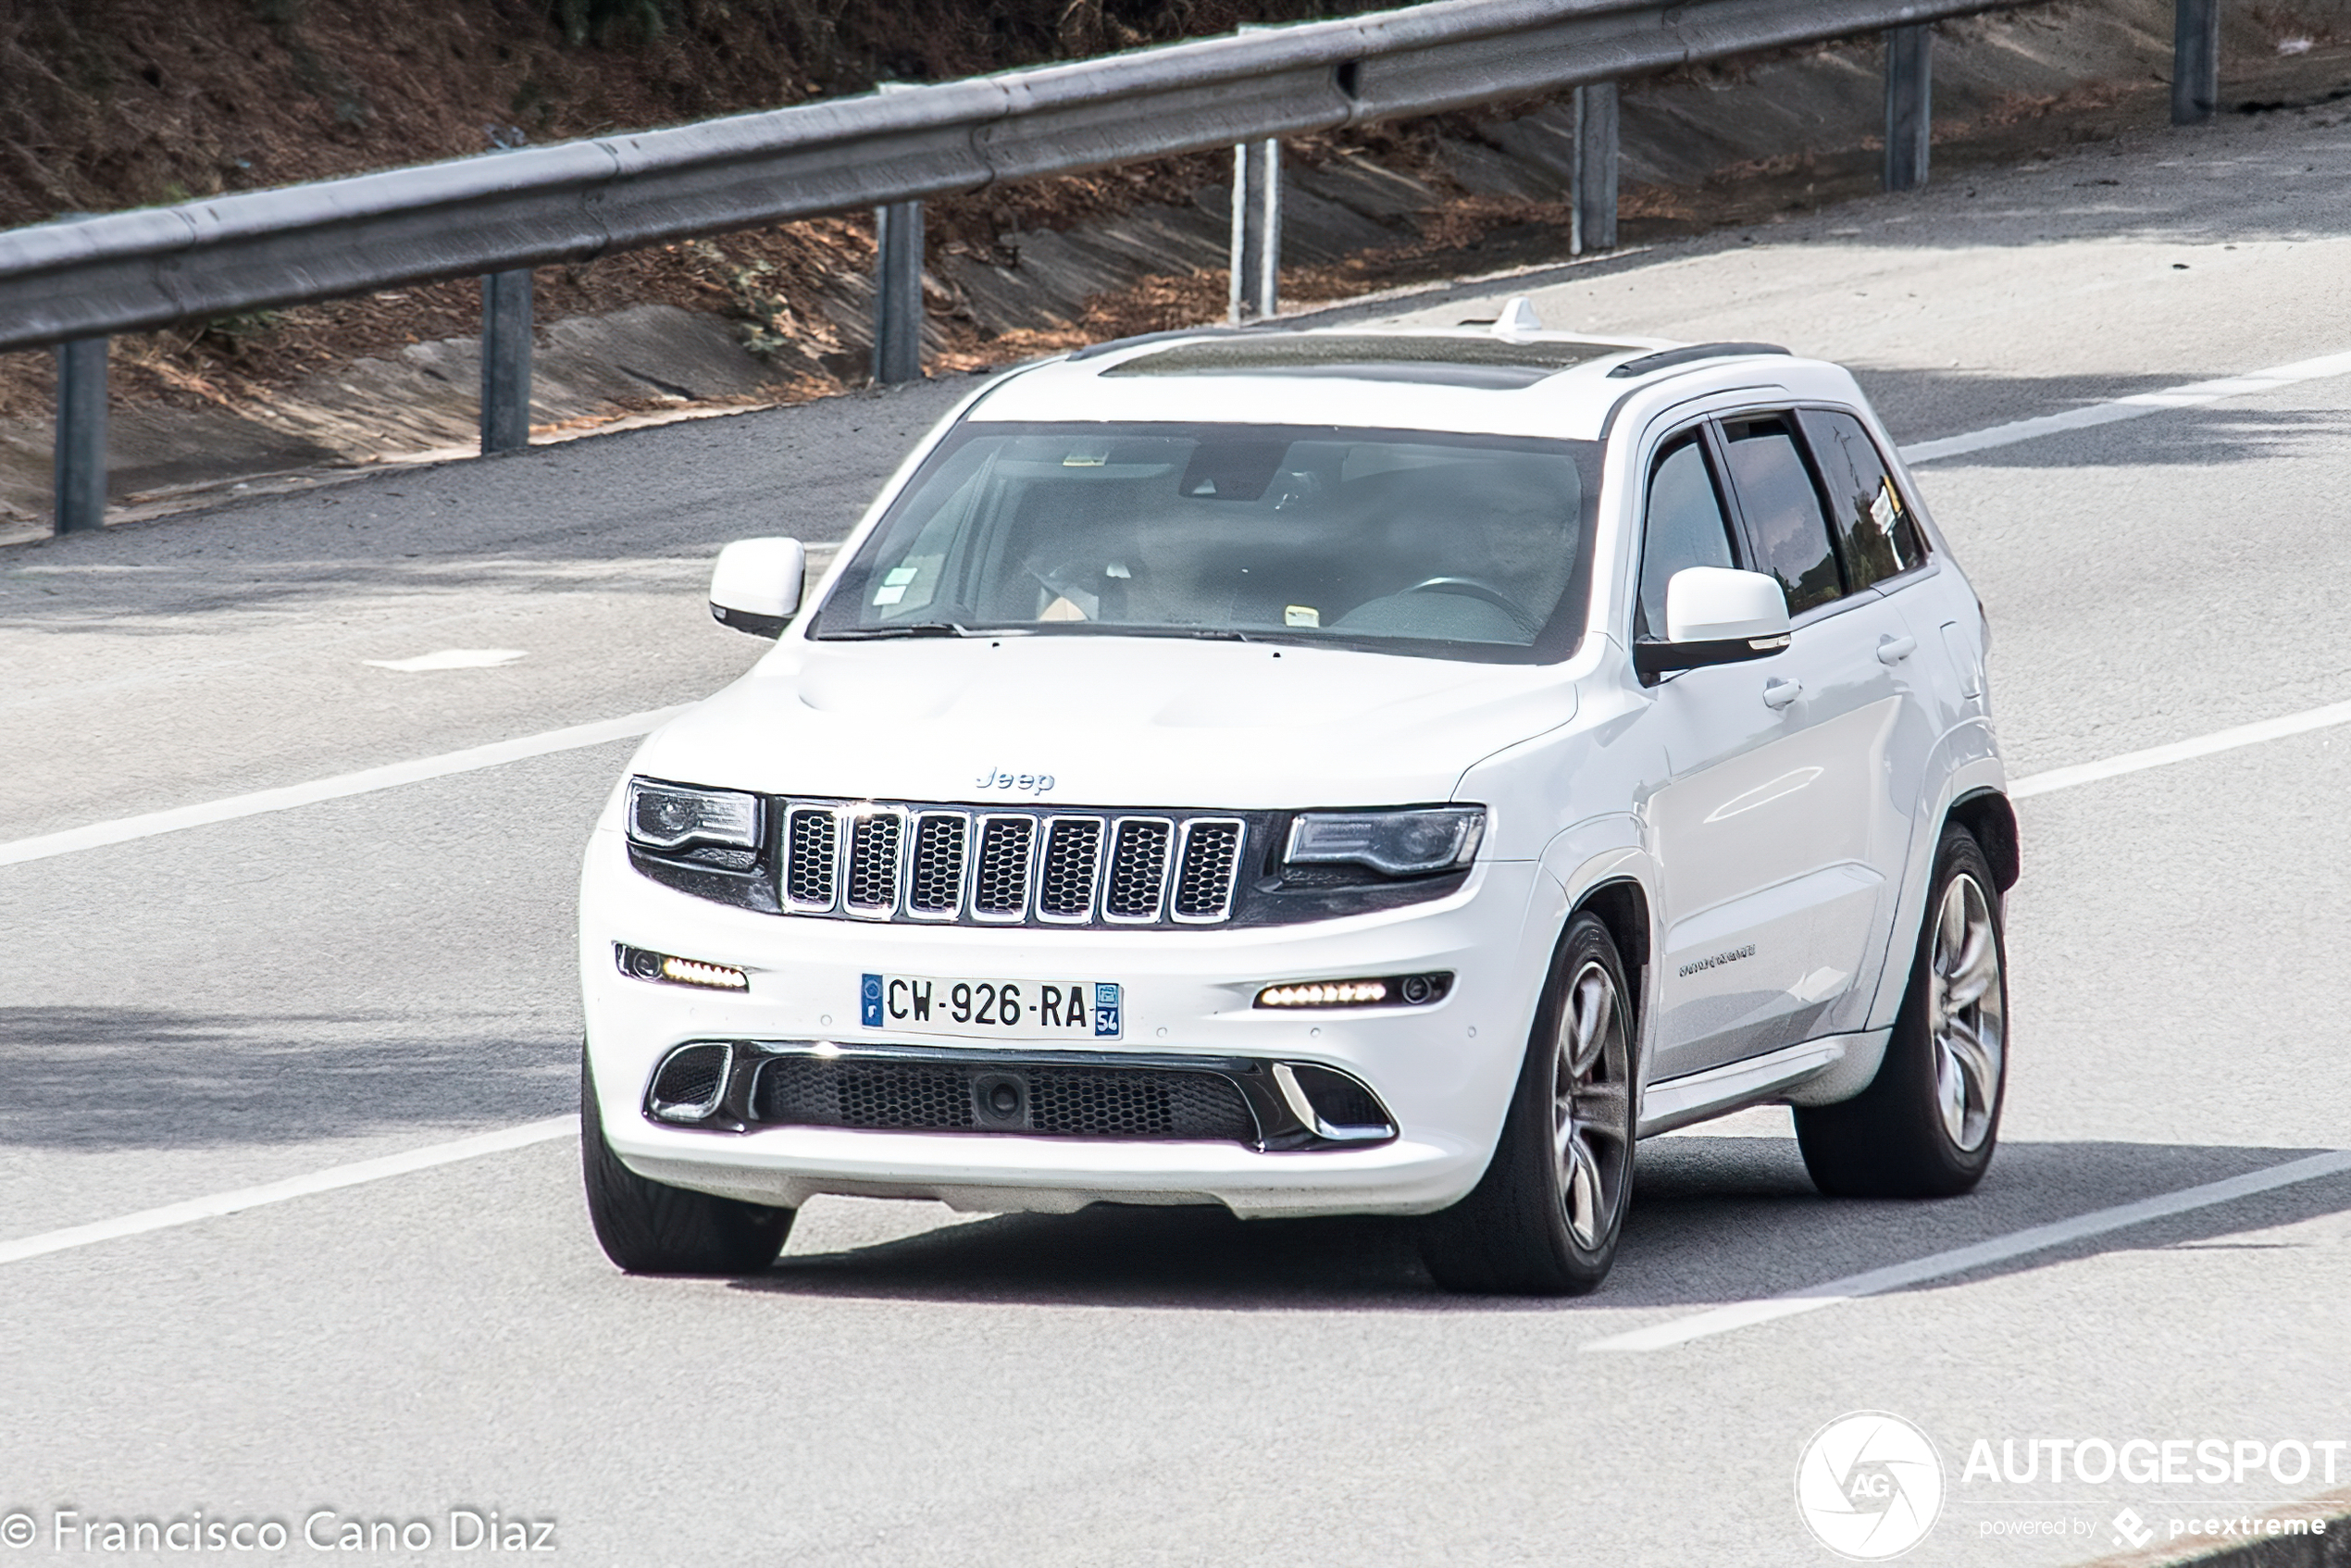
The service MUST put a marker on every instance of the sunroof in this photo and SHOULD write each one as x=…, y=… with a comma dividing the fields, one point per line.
x=1493, y=364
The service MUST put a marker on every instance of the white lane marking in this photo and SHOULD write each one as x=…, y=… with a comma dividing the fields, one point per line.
x=1960, y=1260
x=388, y=776
x=450, y=658
x=326, y=1180
x=2182, y=751
x=2136, y=406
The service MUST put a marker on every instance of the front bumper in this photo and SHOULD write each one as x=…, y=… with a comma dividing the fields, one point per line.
x=1443, y=1071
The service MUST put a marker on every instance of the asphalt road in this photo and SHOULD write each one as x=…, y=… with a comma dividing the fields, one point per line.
x=259, y=999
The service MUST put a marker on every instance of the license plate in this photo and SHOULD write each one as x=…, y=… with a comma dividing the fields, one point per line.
x=1073, y=1010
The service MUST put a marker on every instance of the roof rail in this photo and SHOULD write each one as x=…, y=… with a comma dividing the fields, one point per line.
x=1689, y=354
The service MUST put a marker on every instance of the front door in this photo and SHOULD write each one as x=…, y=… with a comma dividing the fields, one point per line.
x=1778, y=824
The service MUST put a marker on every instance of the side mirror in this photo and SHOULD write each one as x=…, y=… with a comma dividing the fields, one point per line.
x=757, y=584
x=1714, y=616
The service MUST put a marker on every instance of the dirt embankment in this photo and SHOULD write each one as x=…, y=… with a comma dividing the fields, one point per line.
x=105, y=103
x=109, y=104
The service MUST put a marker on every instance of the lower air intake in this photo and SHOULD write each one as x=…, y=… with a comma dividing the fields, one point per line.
x=690, y=1083
x=1340, y=1100
x=1113, y=1102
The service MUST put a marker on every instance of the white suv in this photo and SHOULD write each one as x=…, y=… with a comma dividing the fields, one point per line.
x=1331, y=772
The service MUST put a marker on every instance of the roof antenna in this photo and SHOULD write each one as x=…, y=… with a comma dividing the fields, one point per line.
x=1517, y=317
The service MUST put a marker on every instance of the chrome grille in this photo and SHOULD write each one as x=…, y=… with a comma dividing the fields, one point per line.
x=1007, y=866
x=874, y=838
x=812, y=846
x=935, y=878
x=1210, y=862
x=1138, y=869
x=1000, y=875
x=1065, y=881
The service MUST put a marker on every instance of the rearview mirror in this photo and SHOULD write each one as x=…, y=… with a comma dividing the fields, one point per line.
x=757, y=584
x=1714, y=616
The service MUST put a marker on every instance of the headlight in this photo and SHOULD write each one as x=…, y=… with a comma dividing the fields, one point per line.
x=670, y=816
x=1399, y=843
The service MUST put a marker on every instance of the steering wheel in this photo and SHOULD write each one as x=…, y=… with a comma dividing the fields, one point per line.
x=1470, y=588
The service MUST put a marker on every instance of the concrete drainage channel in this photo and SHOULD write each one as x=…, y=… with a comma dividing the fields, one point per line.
x=646, y=365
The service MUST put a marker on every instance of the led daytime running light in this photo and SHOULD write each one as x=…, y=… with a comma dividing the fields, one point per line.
x=1324, y=993
x=640, y=963
x=717, y=977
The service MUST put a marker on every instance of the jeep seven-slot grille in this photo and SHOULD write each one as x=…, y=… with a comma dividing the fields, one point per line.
x=812, y=845
x=1066, y=878
x=1008, y=866
x=1000, y=876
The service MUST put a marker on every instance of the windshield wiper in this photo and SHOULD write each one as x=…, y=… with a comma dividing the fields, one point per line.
x=905, y=628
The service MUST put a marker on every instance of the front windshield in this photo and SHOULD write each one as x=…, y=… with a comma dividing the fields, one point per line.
x=1408, y=541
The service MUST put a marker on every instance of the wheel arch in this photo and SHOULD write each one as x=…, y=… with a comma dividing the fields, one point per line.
x=1991, y=820
x=1623, y=905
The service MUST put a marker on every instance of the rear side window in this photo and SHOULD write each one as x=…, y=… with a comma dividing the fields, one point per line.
x=1685, y=527
x=1874, y=529
x=1782, y=510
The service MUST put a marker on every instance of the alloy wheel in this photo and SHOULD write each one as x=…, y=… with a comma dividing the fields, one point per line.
x=1592, y=1104
x=1966, y=1012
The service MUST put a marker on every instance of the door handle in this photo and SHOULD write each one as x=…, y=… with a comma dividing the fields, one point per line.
x=1894, y=650
x=1780, y=693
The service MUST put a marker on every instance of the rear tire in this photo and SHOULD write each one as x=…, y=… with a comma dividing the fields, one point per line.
x=650, y=1227
x=1927, y=1124
x=1545, y=1219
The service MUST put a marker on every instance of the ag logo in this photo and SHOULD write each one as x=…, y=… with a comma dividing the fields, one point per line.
x=1870, y=1485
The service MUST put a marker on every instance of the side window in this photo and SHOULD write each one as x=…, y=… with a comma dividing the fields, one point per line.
x=1783, y=510
x=1685, y=527
x=1874, y=529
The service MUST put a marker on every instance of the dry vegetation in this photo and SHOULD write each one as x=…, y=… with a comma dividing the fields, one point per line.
x=110, y=103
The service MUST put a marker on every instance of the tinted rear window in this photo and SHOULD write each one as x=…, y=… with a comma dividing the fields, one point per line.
x=1875, y=531
x=1783, y=511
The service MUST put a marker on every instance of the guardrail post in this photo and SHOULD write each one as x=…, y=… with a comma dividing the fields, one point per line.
x=79, y=456
x=898, y=292
x=505, y=361
x=1257, y=231
x=1593, y=227
x=2195, y=61
x=1909, y=104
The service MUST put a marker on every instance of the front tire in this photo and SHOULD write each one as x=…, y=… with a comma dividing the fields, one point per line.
x=1926, y=1125
x=1545, y=1219
x=650, y=1227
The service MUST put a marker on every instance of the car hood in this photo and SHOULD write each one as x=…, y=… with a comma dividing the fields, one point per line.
x=1105, y=721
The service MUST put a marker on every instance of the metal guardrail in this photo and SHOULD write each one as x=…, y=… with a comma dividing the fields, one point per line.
x=501, y=214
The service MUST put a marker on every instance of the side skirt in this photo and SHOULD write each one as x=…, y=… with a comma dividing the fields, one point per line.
x=1818, y=1072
